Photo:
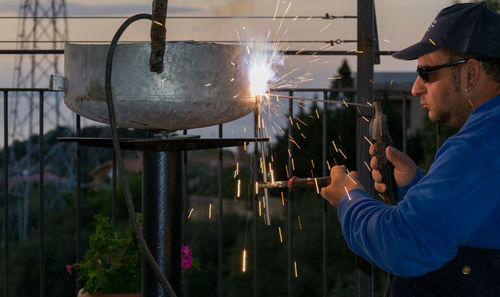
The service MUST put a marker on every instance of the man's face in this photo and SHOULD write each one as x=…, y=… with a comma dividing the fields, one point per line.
x=443, y=96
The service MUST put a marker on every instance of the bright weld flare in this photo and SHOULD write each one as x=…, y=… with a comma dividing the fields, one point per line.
x=260, y=74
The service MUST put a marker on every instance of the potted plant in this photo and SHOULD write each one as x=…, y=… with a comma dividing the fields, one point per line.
x=112, y=264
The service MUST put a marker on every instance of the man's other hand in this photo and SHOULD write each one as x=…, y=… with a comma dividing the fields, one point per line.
x=342, y=182
x=404, y=168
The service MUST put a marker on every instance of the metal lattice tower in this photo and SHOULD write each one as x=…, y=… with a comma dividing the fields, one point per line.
x=43, y=26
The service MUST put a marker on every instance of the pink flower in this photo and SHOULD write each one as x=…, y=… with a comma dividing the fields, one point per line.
x=68, y=269
x=186, y=257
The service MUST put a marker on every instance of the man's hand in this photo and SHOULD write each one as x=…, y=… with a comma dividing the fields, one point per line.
x=404, y=168
x=341, y=184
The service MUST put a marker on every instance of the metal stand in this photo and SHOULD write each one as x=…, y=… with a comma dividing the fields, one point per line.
x=161, y=213
x=162, y=199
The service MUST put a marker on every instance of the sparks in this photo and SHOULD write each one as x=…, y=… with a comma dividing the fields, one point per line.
x=244, y=260
x=316, y=183
x=347, y=192
x=367, y=166
x=335, y=146
x=295, y=266
x=368, y=140
x=433, y=43
x=210, y=211
x=281, y=237
x=300, y=224
x=324, y=28
x=239, y=189
x=282, y=199
x=190, y=213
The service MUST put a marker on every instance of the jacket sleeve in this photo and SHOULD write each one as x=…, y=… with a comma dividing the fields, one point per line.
x=440, y=213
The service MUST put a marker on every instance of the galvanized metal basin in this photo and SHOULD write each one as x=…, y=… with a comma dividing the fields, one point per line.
x=203, y=84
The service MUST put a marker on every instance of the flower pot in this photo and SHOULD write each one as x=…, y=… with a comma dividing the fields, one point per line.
x=86, y=294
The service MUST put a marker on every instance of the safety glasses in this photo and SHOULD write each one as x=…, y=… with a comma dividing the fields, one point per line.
x=423, y=71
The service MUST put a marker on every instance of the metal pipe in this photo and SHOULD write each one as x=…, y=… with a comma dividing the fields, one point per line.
x=186, y=208
x=6, y=193
x=438, y=136
x=405, y=125
x=365, y=61
x=161, y=214
x=79, y=211
x=113, y=186
x=220, y=233
x=42, y=198
x=255, y=201
x=324, y=210
x=290, y=209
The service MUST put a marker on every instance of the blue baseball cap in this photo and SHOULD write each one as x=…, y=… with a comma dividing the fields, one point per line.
x=471, y=28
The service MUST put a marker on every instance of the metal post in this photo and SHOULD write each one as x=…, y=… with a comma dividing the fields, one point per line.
x=78, y=202
x=405, y=126
x=186, y=208
x=221, y=224
x=6, y=193
x=366, y=58
x=113, y=185
x=42, y=198
x=161, y=215
x=290, y=205
x=438, y=136
x=255, y=205
x=324, y=210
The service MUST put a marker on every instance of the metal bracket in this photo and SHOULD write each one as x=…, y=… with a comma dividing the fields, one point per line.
x=58, y=83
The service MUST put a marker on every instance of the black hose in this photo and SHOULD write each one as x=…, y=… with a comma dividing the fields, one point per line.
x=116, y=146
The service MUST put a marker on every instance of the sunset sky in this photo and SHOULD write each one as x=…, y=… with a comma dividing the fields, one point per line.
x=400, y=23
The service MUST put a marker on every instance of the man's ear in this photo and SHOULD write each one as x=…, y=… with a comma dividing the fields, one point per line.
x=472, y=70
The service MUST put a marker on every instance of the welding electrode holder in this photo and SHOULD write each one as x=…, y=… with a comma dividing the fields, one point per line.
x=299, y=183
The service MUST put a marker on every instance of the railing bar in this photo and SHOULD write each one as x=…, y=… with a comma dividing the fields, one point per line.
x=438, y=136
x=405, y=128
x=221, y=224
x=113, y=185
x=290, y=205
x=79, y=210
x=186, y=209
x=42, y=199
x=255, y=205
x=324, y=203
x=6, y=192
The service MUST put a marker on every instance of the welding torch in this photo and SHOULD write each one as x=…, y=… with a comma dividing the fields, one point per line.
x=298, y=183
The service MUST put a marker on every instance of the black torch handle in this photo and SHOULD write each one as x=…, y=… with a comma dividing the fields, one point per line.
x=309, y=182
x=391, y=193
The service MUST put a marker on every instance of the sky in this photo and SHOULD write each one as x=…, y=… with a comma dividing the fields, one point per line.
x=400, y=23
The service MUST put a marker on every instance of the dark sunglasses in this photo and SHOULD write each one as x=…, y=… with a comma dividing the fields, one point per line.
x=423, y=71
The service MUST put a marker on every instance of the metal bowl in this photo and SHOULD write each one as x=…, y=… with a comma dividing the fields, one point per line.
x=203, y=84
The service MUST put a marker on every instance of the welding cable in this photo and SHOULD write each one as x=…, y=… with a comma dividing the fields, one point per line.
x=116, y=146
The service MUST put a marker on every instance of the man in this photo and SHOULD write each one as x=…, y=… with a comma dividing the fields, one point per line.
x=443, y=237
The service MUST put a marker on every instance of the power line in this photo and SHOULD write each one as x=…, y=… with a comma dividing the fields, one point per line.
x=324, y=17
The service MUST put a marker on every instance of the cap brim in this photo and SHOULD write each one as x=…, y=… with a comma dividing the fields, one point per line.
x=417, y=50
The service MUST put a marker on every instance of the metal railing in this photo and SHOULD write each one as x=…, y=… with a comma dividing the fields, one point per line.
x=7, y=265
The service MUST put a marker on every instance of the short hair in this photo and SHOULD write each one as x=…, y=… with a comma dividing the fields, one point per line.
x=491, y=66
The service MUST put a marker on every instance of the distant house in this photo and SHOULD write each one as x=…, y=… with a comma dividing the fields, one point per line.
x=104, y=172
